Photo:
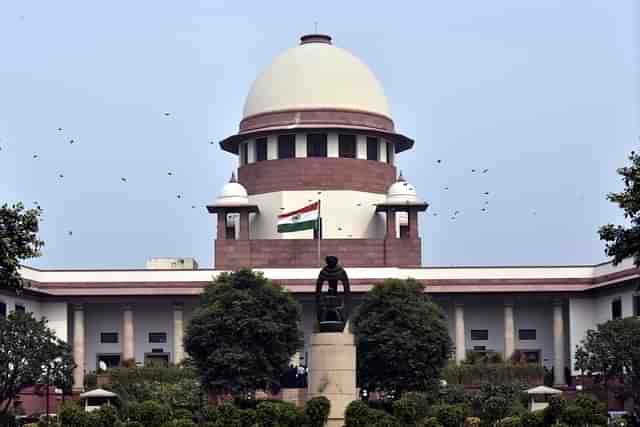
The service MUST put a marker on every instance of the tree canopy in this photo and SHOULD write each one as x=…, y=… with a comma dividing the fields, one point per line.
x=243, y=333
x=18, y=241
x=612, y=350
x=402, y=338
x=624, y=242
x=30, y=353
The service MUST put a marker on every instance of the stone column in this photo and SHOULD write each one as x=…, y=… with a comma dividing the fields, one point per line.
x=461, y=351
x=244, y=224
x=391, y=224
x=178, y=332
x=413, y=224
x=558, y=344
x=509, y=332
x=128, y=347
x=78, y=347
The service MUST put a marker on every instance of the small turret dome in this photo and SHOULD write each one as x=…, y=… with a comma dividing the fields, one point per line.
x=233, y=194
x=401, y=192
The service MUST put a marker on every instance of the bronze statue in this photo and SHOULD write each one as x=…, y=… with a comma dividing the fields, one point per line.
x=332, y=308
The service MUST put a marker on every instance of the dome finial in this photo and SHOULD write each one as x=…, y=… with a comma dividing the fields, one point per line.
x=233, y=177
x=400, y=177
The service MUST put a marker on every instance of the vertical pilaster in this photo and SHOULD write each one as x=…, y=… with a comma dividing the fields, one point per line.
x=222, y=225
x=391, y=224
x=78, y=347
x=413, y=224
x=244, y=224
x=361, y=147
x=558, y=344
x=461, y=351
x=301, y=145
x=128, y=346
x=178, y=332
x=509, y=331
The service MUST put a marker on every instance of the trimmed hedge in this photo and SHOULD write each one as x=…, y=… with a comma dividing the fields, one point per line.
x=494, y=373
x=317, y=411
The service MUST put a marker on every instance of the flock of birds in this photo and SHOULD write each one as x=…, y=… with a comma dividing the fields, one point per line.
x=453, y=216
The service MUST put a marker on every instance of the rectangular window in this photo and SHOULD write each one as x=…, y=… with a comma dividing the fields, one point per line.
x=347, y=146
x=527, y=334
x=481, y=348
x=616, y=309
x=286, y=146
x=390, y=152
x=479, y=334
x=373, y=149
x=109, y=360
x=317, y=145
x=20, y=308
x=3, y=309
x=157, y=337
x=109, y=337
x=636, y=305
x=261, y=149
x=244, y=152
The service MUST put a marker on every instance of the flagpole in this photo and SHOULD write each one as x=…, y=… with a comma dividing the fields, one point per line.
x=319, y=227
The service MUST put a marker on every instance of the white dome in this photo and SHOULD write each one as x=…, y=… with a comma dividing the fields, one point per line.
x=401, y=192
x=316, y=75
x=232, y=194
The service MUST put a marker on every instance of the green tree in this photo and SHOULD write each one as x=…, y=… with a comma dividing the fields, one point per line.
x=402, y=338
x=18, y=241
x=623, y=242
x=27, y=347
x=613, y=351
x=243, y=333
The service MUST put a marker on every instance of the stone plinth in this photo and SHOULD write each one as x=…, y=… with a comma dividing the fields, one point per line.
x=332, y=373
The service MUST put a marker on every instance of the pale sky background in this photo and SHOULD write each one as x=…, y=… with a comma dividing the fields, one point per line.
x=543, y=93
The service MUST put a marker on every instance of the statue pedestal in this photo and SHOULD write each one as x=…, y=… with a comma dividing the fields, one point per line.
x=332, y=373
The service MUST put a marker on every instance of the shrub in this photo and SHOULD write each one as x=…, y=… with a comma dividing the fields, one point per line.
x=317, y=411
x=595, y=411
x=386, y=420
x=472, y=422
x=178, y=423
x=406, y=411
x=282, y=414
x=8, y=420
x=227, y=415
x=149, y=413
x=358, y=414
x=183, y=414
x=248, y=417
x=532, y=419
x=553, y=411
x=429, y=422
x=422, y=401
x=134, y=424
x=450, y=415
x=493, y=409
x=573, y=415
x=106, y=416
x=71, y=415
x=509, y=422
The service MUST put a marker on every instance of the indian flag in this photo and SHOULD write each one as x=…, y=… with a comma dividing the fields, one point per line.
x=303, y=219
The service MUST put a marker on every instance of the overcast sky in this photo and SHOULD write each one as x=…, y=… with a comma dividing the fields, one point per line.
x=542, y=93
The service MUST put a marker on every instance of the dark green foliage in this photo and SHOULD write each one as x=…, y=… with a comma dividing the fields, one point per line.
x=624, y=242
x=184, y=414
x=72, y=415
x=554, y=410
x=316, y=411
x=18, y=241
x=358, y=414
x=283, y=414
x=594, y=410
x=450, y=415
x=248, y=417
x=106, y=416
x=386, y=420
x=532, y=419
x=495, y=373
x=573, y=415
x=423, y=402
x=243, y=333
x=150, y=413
x=178, y=423
x=134, y=424
x=29, y=345
x=429, y=422
x=406, y=411
x=509, y=422
x=402, y=338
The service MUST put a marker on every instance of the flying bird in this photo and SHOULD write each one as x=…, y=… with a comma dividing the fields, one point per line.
x=59, y=129
x=179, y=196
x=170, y=173
x=456, y=212
x=70, y=233
x=167, y=114
x=123, y=179
x=211, y=142
x=35, y=156
x=71, y=141
x=473, y=170
x=446, y=188
x=483, y=209
x=438, y=161
x=486, y=193
x=60, y=176
x=193, y=206
x=485, y=170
